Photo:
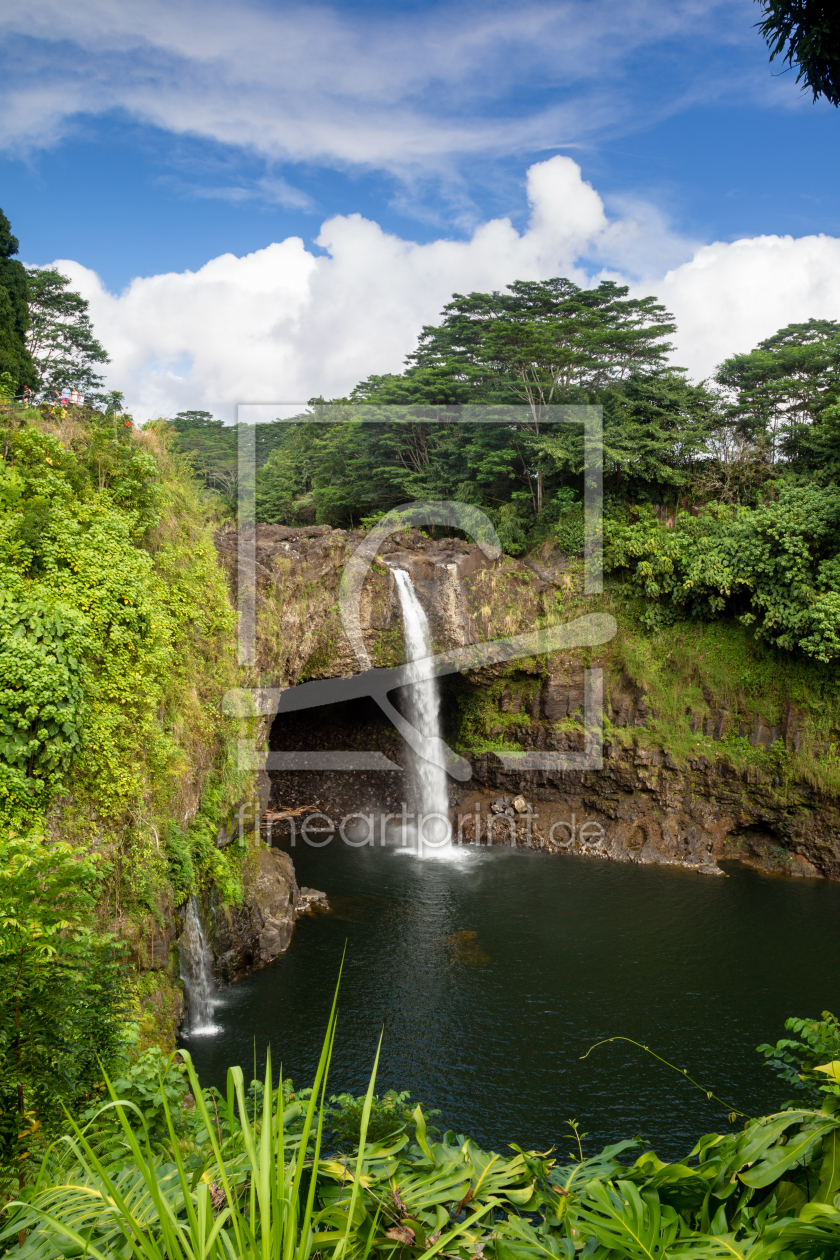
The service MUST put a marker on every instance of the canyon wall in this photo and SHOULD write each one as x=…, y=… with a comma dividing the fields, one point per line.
x=691, y=775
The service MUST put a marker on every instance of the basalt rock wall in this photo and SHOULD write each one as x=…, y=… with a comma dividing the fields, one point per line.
x=645, y=803
x=247, y=937
x=730, y=783
x=646, y=808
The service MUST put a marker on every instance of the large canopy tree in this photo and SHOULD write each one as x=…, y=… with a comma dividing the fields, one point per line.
x=545, y=342
x=60, y=337
x=781, y=389
x=14, y=312
x=538, y=344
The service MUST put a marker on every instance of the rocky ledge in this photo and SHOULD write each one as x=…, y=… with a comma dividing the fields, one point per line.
x=246, y=937
x=644, y=807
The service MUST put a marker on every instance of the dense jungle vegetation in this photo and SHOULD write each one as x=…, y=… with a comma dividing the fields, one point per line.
x=116, y=644
x=721, y=499
x=116, y=636
x=168, y=1169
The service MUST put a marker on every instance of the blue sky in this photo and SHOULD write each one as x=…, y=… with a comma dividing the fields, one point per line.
x=141, y=138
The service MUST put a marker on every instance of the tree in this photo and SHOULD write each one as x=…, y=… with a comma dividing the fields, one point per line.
x=807, y=34
x=657, y=430
x=775, y=567
x=60, y=339
x=782, y=387
x=546, y=342
x=14, y=312
x=538, y=344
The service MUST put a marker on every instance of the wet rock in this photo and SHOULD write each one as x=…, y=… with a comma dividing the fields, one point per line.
x=150, y=939
x=644, y=806
x=310, y=899
x=246, y=937
x=792, y=724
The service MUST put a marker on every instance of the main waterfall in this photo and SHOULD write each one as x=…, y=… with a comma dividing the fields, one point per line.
x=434, y=831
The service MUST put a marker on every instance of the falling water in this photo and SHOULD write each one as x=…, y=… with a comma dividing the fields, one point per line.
x=196, y=972
x=434, y=832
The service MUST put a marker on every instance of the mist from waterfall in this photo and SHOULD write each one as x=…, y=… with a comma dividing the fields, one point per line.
x=434, y=831
x=196, y=973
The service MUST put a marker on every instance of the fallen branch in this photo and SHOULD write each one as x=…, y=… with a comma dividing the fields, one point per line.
x=275, y=816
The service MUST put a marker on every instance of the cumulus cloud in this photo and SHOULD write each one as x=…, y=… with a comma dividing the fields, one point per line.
x=284, y=324
x=402, y=90
x=729, y=297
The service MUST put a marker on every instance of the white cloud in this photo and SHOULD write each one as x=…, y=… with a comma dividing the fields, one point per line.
x=286, y=324
x=731, y=296
x=404, y=91
x=271, y=191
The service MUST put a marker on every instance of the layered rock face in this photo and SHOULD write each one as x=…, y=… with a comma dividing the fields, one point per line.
x=645, y=804
x=723, y=787
x=247, y=937
x=643, y=807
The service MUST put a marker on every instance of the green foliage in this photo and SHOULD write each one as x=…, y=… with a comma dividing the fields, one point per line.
x=60, y=338
x=14, y=313
x=151, y=1083
x=801, y=1061
x=782, y=388
x=193, y=858
x=569, y=529
x=389, y=1116
x=775, y=567
x=213, y=450
x=807, y=34
x=116, y=644
x=250, y=1174
x=512, y=529
x=543, y=342
x=537, y=344
x=245, y=1176
x=211, y=447
x=116, y=640
x=41, y=698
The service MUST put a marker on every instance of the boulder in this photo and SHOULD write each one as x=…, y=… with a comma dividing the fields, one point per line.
x=246, y=937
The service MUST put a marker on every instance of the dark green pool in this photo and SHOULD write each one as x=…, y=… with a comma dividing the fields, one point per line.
x=490, y=1028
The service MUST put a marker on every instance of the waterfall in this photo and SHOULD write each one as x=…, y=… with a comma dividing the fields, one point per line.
x=196, y=972
x=434, y=831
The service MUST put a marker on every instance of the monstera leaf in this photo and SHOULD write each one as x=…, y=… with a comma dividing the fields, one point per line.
x=625, y=1221
x=517, y=1238
x=815, y=1234
x=796, y=1150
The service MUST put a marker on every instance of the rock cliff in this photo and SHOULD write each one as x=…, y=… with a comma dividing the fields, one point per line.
x=697, y=768
x=246, y=937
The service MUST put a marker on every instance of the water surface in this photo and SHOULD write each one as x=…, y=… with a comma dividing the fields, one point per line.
x=493, y=973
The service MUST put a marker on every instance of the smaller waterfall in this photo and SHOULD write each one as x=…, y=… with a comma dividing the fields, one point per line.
x=434, y=831
x=196, y=972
